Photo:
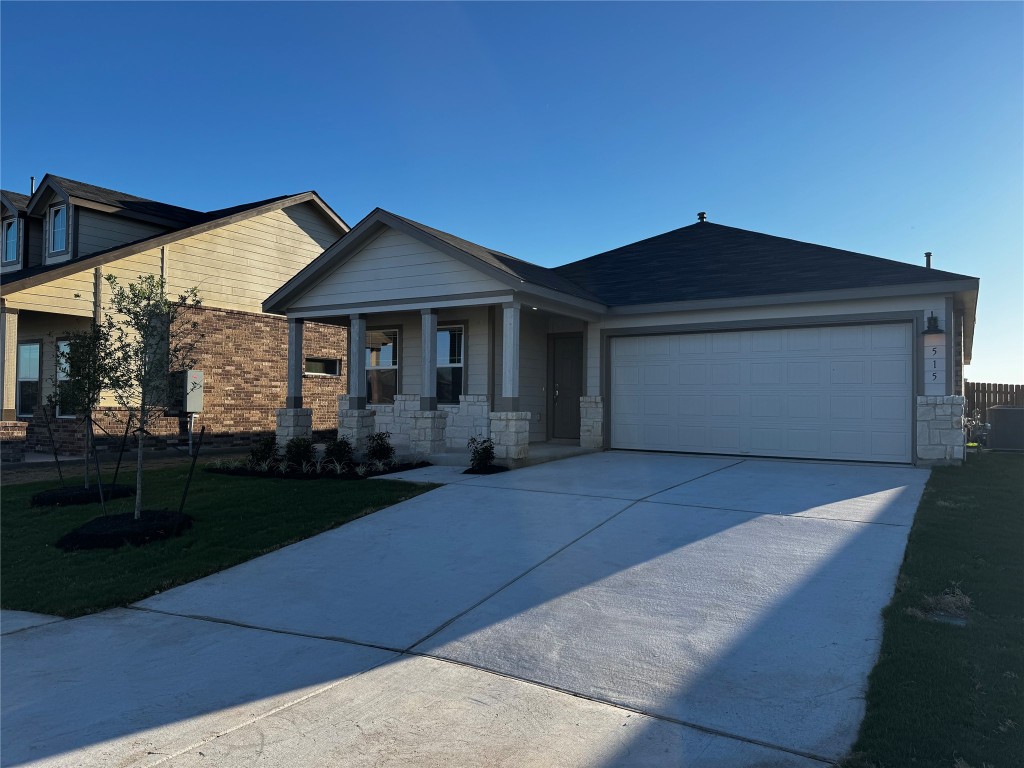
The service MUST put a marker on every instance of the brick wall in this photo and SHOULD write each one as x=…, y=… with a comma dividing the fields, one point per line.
x=12, y=441
x=244, y=359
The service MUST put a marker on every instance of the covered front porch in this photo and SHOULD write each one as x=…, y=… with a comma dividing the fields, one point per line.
x=447, y=340
x=436, y=376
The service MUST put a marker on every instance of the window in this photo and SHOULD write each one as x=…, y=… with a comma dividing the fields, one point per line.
x=321, y=366
x=29, y=387
x=381, y=367
x=63, y=374
x=449, y=364
x=10, y=241
x=59, y=229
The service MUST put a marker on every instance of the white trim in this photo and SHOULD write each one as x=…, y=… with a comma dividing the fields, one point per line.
x=462, y=358
x=14, y=223
x=395, y=356
x=50, y=218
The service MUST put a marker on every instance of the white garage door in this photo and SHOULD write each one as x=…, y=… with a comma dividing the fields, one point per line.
x=839, y=392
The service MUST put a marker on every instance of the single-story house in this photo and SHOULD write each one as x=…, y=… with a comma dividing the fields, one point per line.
x=60, y=241
x=707, y=339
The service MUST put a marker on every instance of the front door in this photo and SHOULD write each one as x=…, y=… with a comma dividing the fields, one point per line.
x=566, y=386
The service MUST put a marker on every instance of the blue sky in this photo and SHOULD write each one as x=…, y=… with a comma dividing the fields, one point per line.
x=555, y=131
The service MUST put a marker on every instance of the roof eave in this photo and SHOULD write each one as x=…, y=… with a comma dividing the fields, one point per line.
x=123, y=251
x=906, y=289
x=346, y=247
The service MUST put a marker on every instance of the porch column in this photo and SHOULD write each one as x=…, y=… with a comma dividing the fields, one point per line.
x=293, y=420
x=8, y=362
x=357, y=362
x=509, y=358
x=294, y=396
x=428, y=386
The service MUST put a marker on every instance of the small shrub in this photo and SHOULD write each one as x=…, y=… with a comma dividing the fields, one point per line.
x=337, y=467
x=379, y=448
x=299, y=451
x=264, y=450
x=362, y=470
x=339, y=450
x=481, y=452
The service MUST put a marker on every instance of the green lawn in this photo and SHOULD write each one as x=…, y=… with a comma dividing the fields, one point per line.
x=947, y=695
x=236, y=519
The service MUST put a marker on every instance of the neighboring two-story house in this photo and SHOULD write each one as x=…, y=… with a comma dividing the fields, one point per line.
x=58, y=244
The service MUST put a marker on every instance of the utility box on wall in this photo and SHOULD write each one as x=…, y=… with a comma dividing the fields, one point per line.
x=187, y=391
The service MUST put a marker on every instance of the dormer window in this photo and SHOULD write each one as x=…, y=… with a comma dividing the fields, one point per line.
x=10, y=241
x=58, y=229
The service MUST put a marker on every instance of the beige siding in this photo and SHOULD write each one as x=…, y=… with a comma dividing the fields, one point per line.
x=240, y=265
x=99, y=231
x=396, y=266
x=71, y=295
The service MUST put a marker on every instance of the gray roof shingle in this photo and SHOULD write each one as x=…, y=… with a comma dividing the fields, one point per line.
x=712, y=261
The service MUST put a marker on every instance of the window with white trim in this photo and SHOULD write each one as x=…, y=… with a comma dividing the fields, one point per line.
x=381, y=367
x=450, y=345
x=29, y=379
x=58, y=229
x=10, y=241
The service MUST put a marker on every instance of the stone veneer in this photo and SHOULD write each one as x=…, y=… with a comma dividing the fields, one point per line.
x=510, y=431
x=355, y=425
x=592, y=421
x=12, y=441
x=426, y=433
x=292, y=423
x=940, y=429
x=470, y=418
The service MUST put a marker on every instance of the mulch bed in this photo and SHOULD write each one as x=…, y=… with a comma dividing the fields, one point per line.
x=66, y=497
x=113, y=531
x=298, y=475
x=493, y=469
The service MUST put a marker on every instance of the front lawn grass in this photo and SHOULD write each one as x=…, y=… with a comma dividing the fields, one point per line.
x=942, y=694
x=236, y=519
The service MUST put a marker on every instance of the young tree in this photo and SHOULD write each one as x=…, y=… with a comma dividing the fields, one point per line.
x=151, y=336
x=84, y=370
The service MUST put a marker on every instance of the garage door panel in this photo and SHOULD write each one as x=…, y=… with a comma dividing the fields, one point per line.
x=692, y=374
x=829, y=392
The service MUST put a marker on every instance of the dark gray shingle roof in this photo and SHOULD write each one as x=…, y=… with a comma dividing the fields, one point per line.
x=712, y=261
x=129, y=203
x=19, y=200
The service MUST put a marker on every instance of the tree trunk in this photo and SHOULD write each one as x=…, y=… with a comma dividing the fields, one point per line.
x=138, y=465
x=88, y=437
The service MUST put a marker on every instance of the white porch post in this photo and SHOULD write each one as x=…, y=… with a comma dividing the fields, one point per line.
x=357, y=362
x=9, y=362
x=428, y=386
x=509, y=358
x=294, y=395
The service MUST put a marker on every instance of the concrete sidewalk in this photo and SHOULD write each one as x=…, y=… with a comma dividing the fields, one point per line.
x=613, y=609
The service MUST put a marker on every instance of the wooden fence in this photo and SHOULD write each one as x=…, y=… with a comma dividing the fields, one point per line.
x=983, y=396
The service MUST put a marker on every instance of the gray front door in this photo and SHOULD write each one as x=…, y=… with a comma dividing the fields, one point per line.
x=566, y=386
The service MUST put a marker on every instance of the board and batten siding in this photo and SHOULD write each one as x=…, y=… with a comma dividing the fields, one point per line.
x=395, y=266
x=99, y=231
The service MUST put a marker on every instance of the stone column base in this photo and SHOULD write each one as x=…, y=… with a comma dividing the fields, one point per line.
x=510, y=432
x=355, y=425
x=426, y=433
x=591, y=421
x=292, y=423
x=940, y=430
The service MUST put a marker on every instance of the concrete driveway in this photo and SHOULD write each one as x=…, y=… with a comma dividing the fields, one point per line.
x=614, y=609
